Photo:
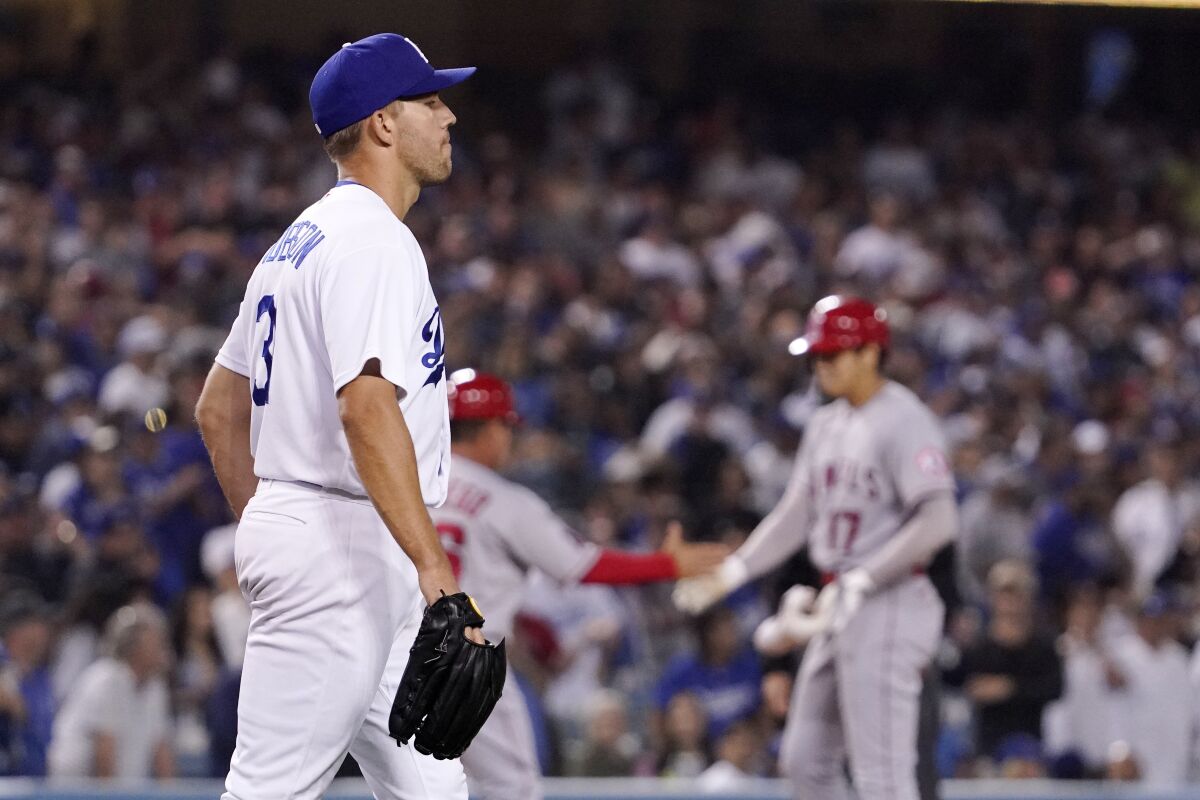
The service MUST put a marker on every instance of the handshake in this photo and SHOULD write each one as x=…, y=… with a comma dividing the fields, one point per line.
x=803, y=612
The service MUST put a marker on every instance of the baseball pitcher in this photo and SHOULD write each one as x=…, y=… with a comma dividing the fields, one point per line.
x=326, y=420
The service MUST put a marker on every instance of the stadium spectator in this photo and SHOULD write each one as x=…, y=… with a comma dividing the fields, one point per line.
x=101, y=496
x=683, y=751
x=1070, y=540
x=198, y=665
x=132, y=386
x=875, y=252
x=230, y=612
x=994, y=526
x=738, y=759
x=93, y=604
x=115, y=721
x=609, y=748
x=1083, y=723
x=1019, y=757
x=37, y=550
x=1014, y=671
x=25, y=682
x=188, y=502
x=723, y=674
x=1150, y=517
x=1157, y=713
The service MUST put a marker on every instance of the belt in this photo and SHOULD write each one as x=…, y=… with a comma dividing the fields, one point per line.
x=316, y=487
x=829, y=577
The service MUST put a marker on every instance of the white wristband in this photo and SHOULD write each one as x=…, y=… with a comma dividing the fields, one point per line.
x=858, y=579
x=732, y=573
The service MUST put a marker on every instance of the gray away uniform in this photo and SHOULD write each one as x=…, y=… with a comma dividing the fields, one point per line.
x=495, y=532
x=871, y=488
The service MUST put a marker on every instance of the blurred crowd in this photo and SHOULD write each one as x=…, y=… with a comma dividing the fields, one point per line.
x=637, y=270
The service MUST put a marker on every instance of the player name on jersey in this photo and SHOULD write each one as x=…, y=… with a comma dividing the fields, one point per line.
x=852, y=476
x=468, y=499
x=296, y=243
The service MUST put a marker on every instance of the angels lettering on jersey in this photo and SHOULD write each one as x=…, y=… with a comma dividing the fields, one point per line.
x=865, y=469
x=851, y=477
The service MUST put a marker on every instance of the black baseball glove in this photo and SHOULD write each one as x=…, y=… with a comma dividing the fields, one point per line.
x=451, y=684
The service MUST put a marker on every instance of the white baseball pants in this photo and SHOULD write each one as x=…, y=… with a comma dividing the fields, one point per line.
x=334, y=608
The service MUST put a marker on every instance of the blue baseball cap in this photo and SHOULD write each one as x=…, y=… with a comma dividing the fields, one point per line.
x=366, y=75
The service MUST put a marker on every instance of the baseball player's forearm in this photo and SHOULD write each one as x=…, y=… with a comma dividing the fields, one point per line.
x=614, y=568
x=674, y=559
x=223, y=415
x=776, y=539
x=932, y=526
x=383, y=453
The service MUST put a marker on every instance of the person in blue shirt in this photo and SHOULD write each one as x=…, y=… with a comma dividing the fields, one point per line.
x=181, y=498
x=101, y=494
x=26, y=635
x=724, y=674
x=1070, y=542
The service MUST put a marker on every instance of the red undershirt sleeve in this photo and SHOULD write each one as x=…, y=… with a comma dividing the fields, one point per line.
x=616, y=567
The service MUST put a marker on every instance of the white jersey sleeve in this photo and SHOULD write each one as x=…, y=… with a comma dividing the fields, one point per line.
x=233, y=355
x=915, y=458
x=368, y=300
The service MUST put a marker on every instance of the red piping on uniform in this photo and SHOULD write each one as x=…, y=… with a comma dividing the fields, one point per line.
x=829, y=577
x=889, y=646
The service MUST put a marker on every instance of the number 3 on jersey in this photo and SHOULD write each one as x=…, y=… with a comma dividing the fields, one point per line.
x=264, y=330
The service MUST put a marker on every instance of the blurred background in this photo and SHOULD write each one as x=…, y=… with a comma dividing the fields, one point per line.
x=647, y=199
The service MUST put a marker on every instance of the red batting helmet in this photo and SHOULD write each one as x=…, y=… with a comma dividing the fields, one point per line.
x=478, y=395
x=839, y=323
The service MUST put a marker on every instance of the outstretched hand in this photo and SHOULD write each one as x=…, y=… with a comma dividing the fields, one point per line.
x=691, y=559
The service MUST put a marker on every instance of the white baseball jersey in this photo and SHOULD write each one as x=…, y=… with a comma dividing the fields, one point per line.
x=346, y=283
x=494, y=531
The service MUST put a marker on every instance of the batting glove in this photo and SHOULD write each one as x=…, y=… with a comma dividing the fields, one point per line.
x=794, y=625
x=846, y=596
